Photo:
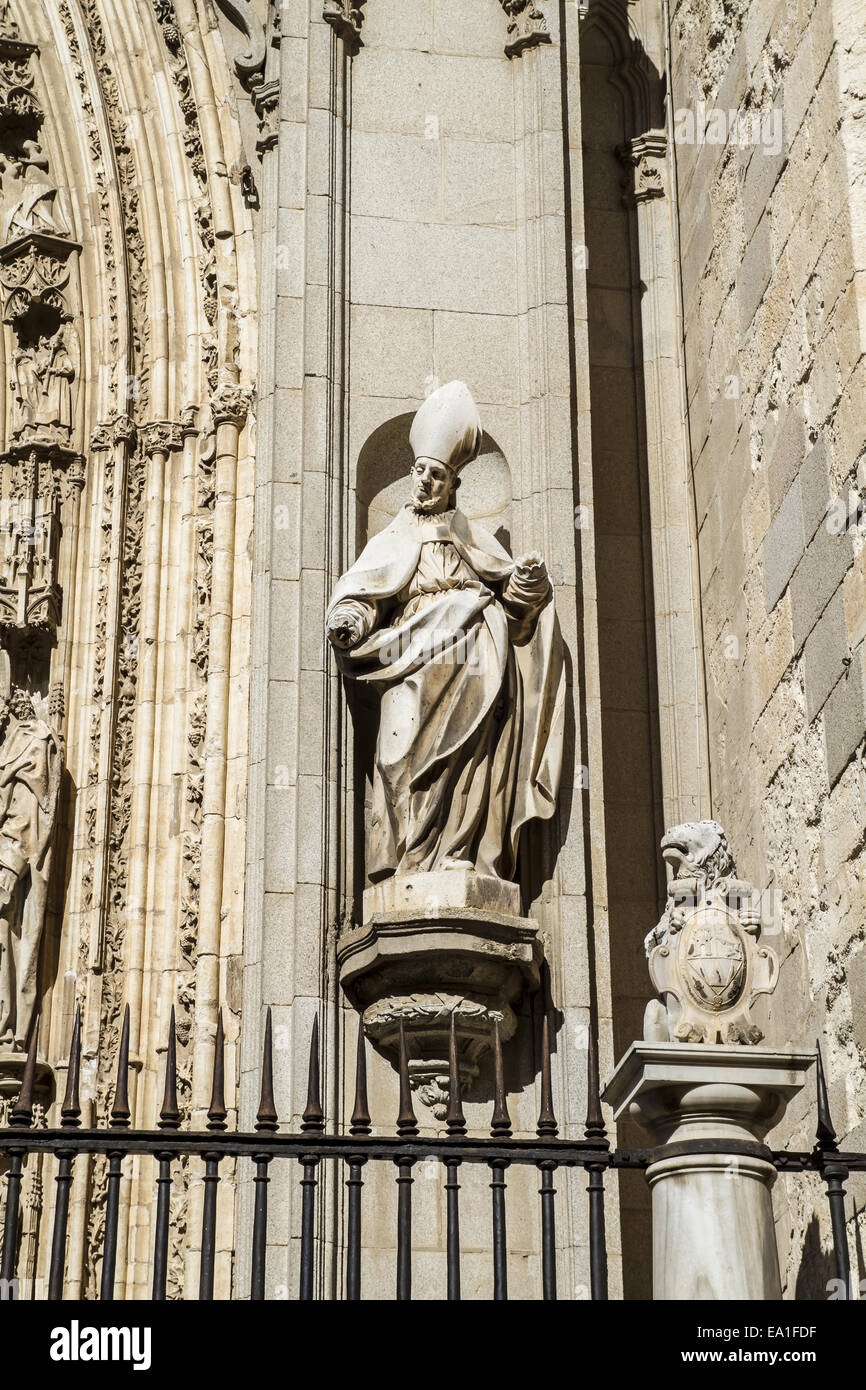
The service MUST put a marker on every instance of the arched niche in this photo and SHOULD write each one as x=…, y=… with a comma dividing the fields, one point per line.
x=382, y=484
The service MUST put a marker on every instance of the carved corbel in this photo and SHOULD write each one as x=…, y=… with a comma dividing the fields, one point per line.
x=527, y=26
x=345, y=18
x=266, y=104
x=645, y=156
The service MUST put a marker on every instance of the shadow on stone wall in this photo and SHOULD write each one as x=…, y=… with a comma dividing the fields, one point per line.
x=621, y=98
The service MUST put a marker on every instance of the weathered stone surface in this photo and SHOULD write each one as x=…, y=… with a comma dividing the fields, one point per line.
x=784, y=545
x=845, y=717
x=786, y=719
x=825, y=654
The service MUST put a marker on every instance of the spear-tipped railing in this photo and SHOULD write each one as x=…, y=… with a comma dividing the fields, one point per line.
x=354, y=1146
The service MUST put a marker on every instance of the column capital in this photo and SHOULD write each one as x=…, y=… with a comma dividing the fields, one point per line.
x=230, y=404
x=162, y=436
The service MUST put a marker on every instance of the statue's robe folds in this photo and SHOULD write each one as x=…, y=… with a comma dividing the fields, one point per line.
x=468, y=661
x=31, y=767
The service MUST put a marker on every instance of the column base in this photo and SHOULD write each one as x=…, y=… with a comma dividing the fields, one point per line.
x=712, y=1211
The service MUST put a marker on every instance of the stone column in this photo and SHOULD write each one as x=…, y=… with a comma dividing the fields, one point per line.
x=707, y=1109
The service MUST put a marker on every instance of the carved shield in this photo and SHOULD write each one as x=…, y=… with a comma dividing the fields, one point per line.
x=713, y=959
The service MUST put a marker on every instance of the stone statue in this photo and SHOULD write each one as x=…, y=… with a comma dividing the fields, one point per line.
x=704, y=956
x=41, y=383
x=31, y=765
x=462, y=643
x=24, y=385
x=56, y=375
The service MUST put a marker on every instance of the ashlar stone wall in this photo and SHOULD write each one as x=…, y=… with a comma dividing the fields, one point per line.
x=771, y=163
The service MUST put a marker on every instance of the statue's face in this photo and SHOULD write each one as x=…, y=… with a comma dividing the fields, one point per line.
x=432, y=485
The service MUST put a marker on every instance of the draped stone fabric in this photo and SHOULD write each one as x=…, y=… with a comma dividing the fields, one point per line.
x=31, y=765
x=466, y=652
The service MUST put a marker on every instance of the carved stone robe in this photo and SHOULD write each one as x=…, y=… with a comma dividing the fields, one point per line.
x=469, y=665
x=31, y=765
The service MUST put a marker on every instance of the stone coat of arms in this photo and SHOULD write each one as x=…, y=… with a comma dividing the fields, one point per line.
x=704, y=955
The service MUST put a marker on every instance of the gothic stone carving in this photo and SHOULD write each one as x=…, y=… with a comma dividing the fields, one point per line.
x=34, y=274
x=438, y=618
x=31, y=766
x=526, y=26
x=462, y=644
x=252, y=66
x=704, y=956
x=644, y=157
x=19, y=105
x=41, y=478
x=345, y=19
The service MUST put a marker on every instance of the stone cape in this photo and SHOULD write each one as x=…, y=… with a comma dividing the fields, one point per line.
x=462, y=626
x=31, y=766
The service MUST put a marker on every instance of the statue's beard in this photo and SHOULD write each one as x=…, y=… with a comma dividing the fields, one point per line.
x=433, y=506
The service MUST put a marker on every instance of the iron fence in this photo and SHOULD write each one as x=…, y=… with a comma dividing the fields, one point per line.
x=352, y=1150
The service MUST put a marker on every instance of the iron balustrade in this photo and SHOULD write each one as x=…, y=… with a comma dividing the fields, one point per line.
x=312, y=1147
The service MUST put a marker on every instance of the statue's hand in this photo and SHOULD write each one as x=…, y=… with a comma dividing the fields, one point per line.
x=344, y=631
x=532, y=565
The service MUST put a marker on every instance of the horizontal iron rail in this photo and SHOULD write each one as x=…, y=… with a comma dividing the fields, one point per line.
x=561, y=1152
x=242, y=1144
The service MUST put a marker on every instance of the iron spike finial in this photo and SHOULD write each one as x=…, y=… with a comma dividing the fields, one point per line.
x=120, y=1112
x=217, y=1113
x=266, y=1118
x=825, y=1134
x=500, y=1124
x=21, y=1114
x=314, y=1116
x=547, y=1128
x=407, y=1124
x=70, y=1110
x=169, y=1115
x=455, y=1121
x=360, y=1121
x=595, y=1127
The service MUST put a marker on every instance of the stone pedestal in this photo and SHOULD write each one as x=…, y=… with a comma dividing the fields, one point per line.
x=712, y=1212
x=435, y=944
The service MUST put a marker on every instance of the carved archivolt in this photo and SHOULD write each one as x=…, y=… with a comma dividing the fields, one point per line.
x=127, y=297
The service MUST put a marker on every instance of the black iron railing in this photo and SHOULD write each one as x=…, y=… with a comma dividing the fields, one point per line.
x=312, y=1147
